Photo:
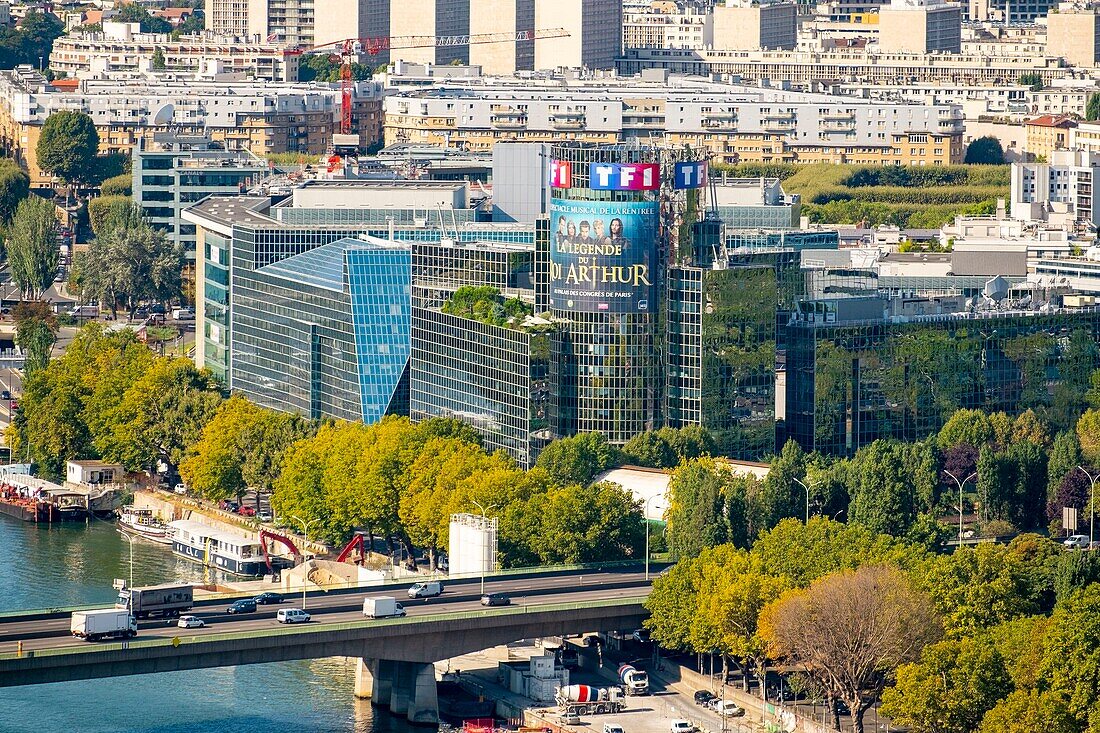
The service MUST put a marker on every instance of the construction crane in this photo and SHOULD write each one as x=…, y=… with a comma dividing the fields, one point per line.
x=348, y=49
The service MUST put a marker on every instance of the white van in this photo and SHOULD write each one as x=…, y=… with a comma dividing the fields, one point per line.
x=292, y=616
x=85, y=311
x=183, y=314
x=426, y=590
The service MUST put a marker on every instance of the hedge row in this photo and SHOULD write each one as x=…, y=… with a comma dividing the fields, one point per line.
x=913, y=216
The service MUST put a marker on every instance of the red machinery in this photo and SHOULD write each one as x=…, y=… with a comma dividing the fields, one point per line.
x=349, y=48
x=358, y=541
x=285, y=541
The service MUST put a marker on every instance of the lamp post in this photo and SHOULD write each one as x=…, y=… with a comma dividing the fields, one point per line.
x=960, y=485
x=131, y=541
x=1092, y=501
x=484, y=515
x=814, y=484
x=646, y=518
x=305, y=534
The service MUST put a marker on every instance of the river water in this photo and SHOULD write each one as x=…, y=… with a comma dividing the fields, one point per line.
x=75, y=564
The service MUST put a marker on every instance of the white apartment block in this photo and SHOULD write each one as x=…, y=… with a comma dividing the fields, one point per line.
x=1059, y=192
x=668, y=24
x=118, y=48
x=920, y=26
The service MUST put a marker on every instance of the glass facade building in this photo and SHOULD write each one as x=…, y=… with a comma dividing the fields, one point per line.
x=325, y=333
x=854, y=381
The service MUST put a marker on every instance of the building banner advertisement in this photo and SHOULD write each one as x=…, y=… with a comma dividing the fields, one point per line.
x=602, y=255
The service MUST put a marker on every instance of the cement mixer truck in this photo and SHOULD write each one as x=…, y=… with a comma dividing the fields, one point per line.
x=588, y=700
x=635, y=681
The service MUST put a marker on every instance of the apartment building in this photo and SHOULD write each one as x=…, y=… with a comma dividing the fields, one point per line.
x=119, y=47
x=751, y=24
x=262, y=117
x=1060, y=191
x=855, y=64
x=735, y=123
x=1073, y=32
x=920, y=26
x=1046, y=133
x=668, y=24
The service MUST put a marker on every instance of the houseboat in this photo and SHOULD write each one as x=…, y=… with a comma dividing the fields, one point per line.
x=34, y=500
x=233, y=552
x=143, y=523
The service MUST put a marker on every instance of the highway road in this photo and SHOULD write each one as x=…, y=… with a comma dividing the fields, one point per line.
x=344, y=607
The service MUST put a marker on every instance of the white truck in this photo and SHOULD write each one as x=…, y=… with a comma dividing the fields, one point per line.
x=103, y=623
x=170, y=599
x=382, y=607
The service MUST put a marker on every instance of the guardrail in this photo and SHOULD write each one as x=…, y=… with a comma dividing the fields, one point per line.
x=312, y=628
x=542, y=571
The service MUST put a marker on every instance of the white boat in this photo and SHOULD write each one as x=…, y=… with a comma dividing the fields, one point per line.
x=233, y=552
x=143, y=523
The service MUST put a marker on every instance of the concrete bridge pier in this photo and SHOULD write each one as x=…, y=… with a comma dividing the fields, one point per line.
x=407, y=688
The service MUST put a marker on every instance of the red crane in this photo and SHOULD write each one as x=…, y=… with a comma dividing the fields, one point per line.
x=348, y=49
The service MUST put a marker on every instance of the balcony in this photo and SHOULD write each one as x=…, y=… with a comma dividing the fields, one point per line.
x=778, y=117
x=778, y=126
x=837, y=116
x=558, y=122
x=836, y=125
x=720, y=122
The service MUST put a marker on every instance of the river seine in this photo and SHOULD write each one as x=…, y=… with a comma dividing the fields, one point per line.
x=75, y=564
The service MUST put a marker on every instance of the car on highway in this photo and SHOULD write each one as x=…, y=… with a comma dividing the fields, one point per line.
x=265, y=598
x=429, y=589
x=705, y=697
x=190, y=622
x=244, y=605
x=1077, y=542
x=247, y=511
x=496, y=599
x=292, y=616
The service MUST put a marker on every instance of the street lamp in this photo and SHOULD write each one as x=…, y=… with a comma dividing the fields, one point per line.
x=131, y=541
x=484, y=515
x=305, y=534
x=646, y=518
x=1092, y=501
x=960, y=485
x=814, y=484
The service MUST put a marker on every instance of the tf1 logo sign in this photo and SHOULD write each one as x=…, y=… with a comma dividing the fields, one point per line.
x=624, y=176
x=561, y=174
x=690, y=175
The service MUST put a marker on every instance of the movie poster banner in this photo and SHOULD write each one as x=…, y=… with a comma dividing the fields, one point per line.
x=602, y=255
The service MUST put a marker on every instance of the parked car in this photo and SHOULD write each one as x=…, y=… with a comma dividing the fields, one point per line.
x=704, y=697
x=264, y=515
x=681, y=726
x=190, y=622
x=728, y=708
x=246, y=511
x=244, y=605
x=180, y=488
x=5, y=395
x=228, y=505
x=1077, y=542
x=496, y=599
x=157, y=309
x=612, y=728
x=641, y=636
x=292, y=616
x=265, y=598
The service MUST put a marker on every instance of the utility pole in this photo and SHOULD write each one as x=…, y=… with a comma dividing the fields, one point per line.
x=305, y=534
x=814, y=484
x=1092, y=501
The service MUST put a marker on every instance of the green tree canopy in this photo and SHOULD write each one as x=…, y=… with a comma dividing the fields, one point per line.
x=985, y=151
x=68, y=145
x=32, y=246
x=578, y=459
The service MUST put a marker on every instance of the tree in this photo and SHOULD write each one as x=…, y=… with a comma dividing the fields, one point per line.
x=851, y=630
x=32, y=246
x=1031, y=79
x=1092, y=109
x=1029, y=711
x=965, y=427
x=985, y=151
x=160, y=415
x=806, y=552
x=695, y=515
x=131, y=262
x=14, y=188
x=1065, y=456
x=779, y=496
x=1088, y=435
x=671, y=605
x=109, y=211
x=68, y=145
x=241, y=446
x=36, y=339
x=321, y=67
x=1030, y=427
x=1071, y=658
x=579, y=458
x=950, y=689
x=158, y=61
x=602, y=522
x=882, y=488
x=650, y=448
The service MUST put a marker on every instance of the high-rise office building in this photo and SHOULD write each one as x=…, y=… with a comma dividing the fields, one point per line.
x=595, y=30
x=920, y=26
